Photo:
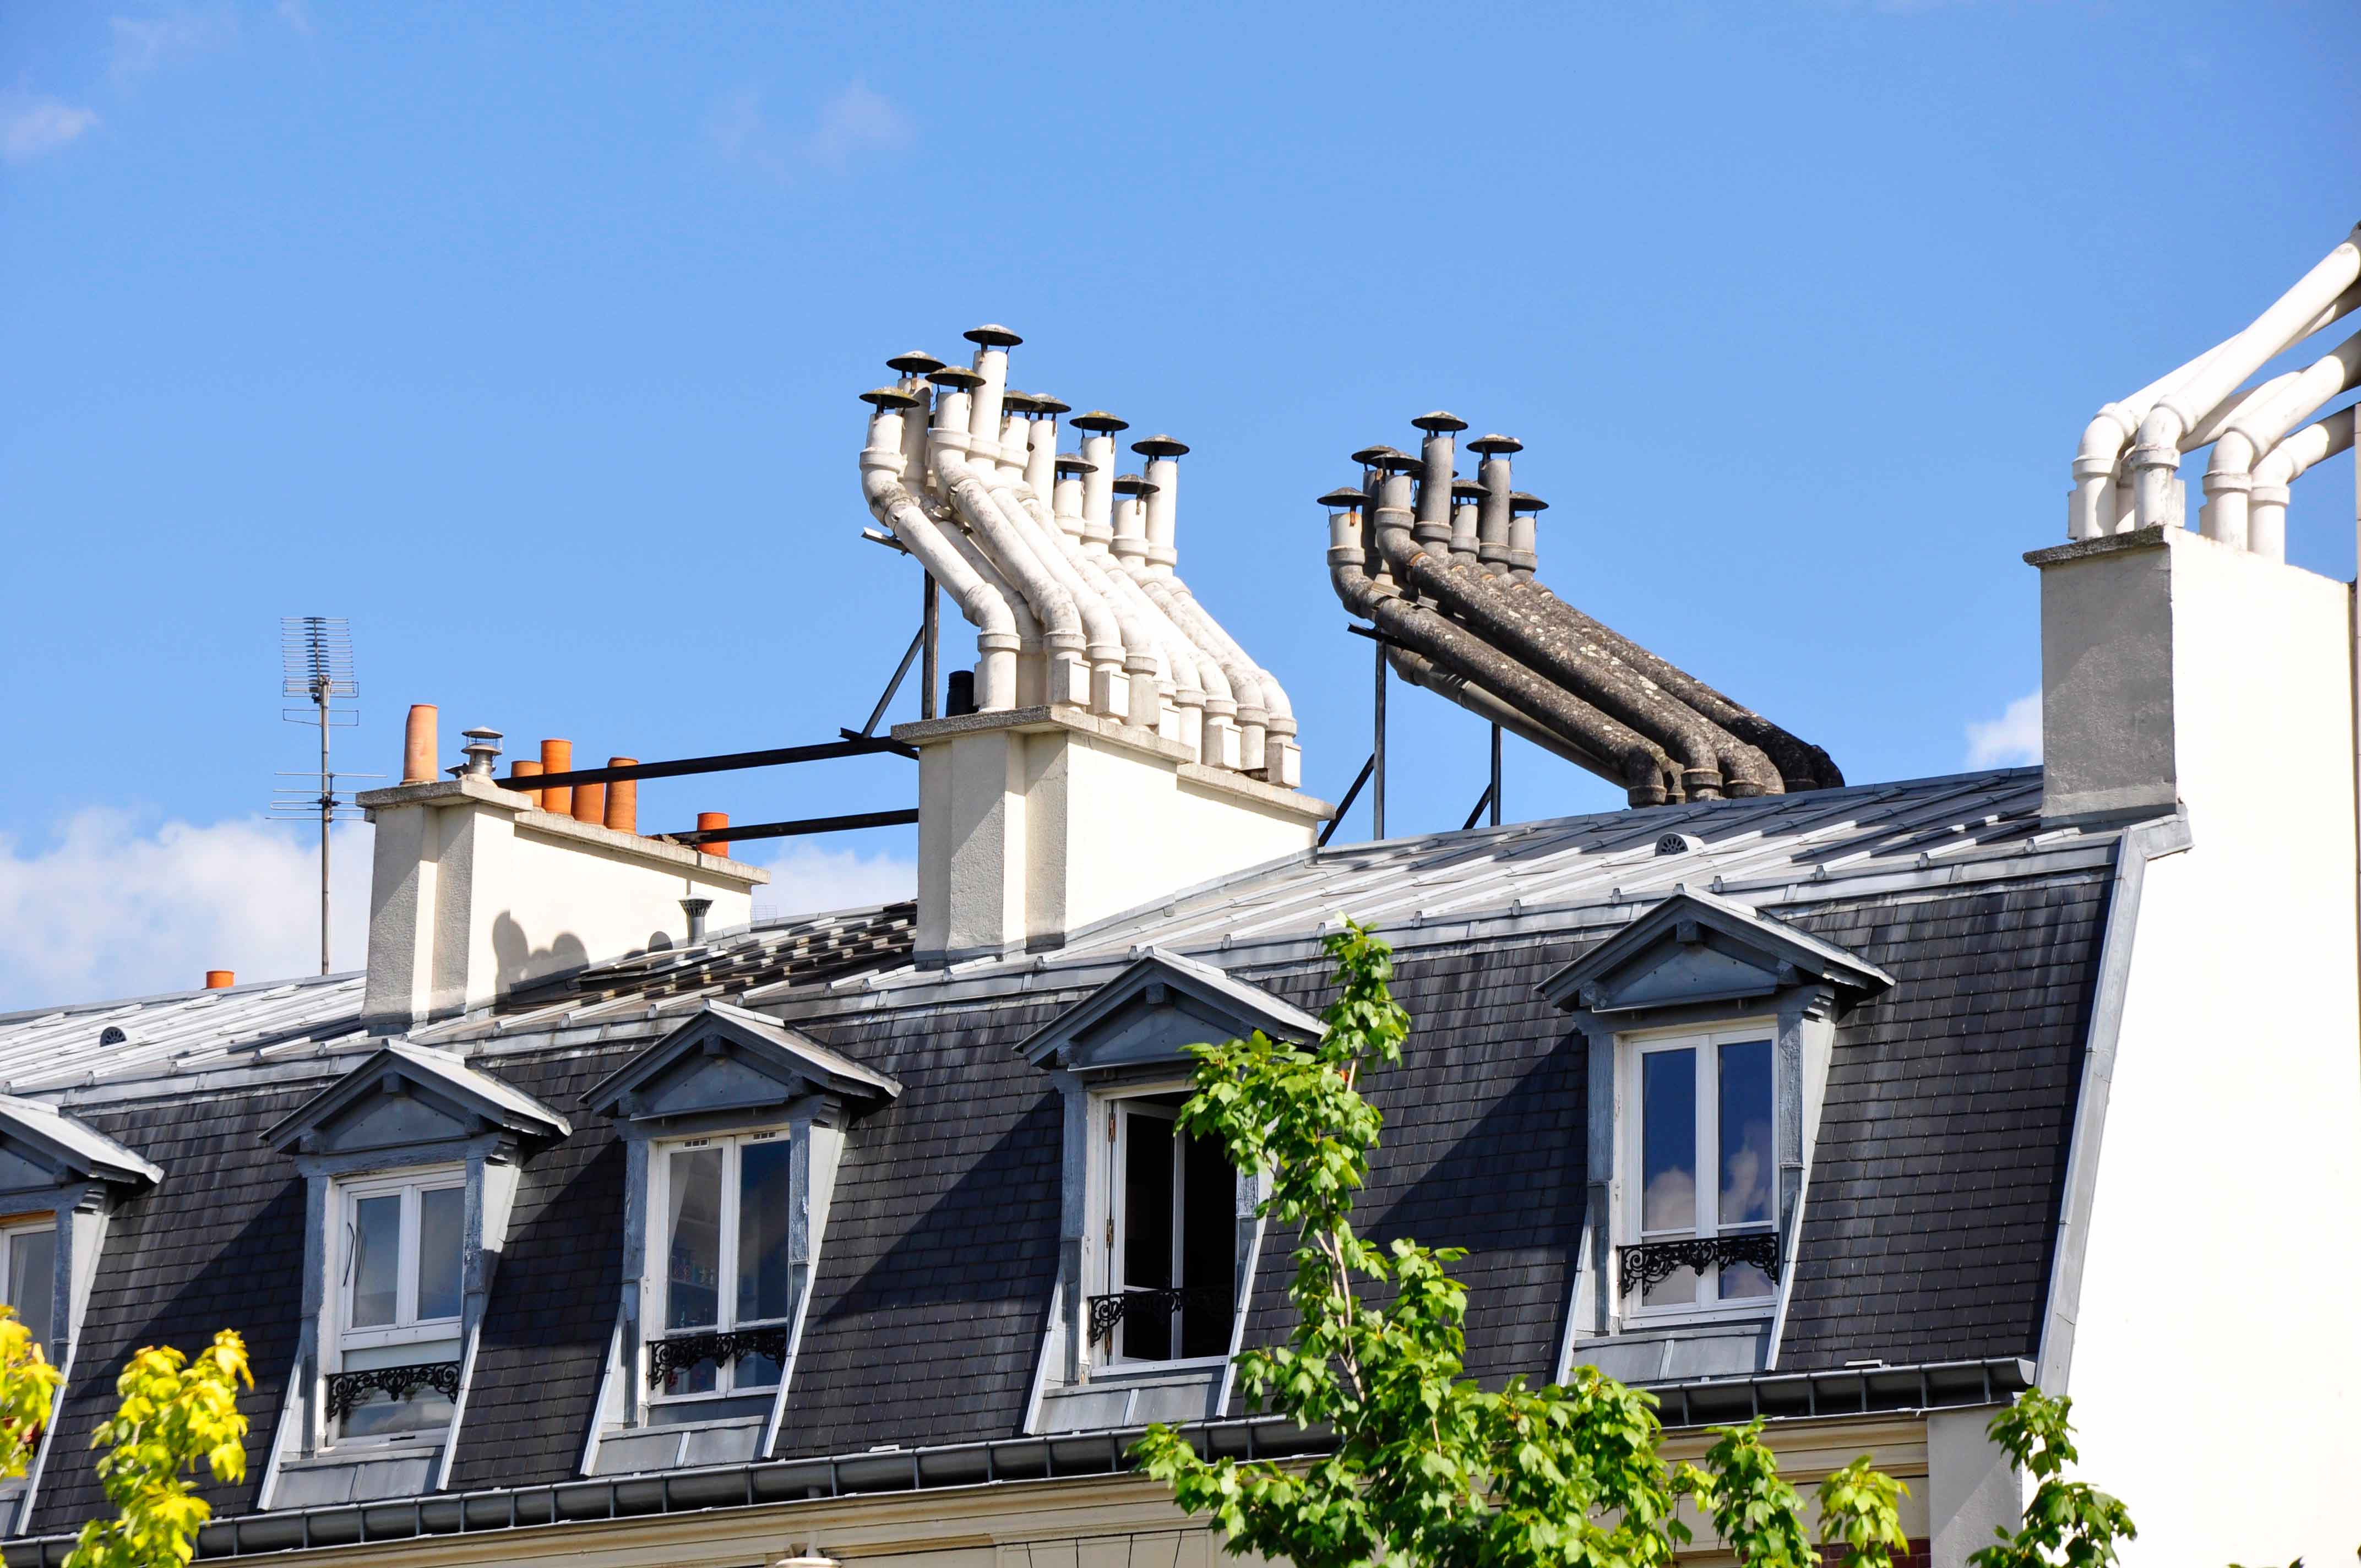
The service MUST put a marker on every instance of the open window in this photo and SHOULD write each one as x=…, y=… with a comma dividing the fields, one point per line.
x=396, y=1357
x=1172, y=1233
x=1161, y=1235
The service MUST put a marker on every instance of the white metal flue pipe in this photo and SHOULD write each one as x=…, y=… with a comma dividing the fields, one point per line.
x=2095, y=508
x=1106, y=641
x=1066, y=646
x=2258, y=426
x=1149, y=683
x=2156, y=449
x=890, y=502
x=2285, y=463
x=1195, y=673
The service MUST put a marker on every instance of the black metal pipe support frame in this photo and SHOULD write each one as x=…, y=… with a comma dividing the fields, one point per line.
x=730, y=762
x=845, y=824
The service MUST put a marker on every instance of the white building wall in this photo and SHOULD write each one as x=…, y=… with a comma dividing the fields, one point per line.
x=2217, y=1363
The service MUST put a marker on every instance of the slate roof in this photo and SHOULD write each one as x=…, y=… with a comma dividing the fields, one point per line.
x=1925, y=1232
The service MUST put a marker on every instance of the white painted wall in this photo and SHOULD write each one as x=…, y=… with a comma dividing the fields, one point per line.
x=1973, y=1491
x=2216, y=1367
x=1035, y=822
x=475, y=891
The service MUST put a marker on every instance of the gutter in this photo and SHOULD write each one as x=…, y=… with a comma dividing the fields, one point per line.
x=1790, y=1396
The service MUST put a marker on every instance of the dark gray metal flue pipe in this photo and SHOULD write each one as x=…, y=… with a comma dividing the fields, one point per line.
x=1611, y=749
x=1713, y=762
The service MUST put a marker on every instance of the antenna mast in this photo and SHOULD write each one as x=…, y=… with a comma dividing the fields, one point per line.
x=315, y=657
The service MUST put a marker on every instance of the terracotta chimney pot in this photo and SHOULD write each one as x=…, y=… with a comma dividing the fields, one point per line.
x=222, y=979
x=706, y=822
x=557, y=757
x=526, y=768
x=623, y=798
x=590, y=803
x=418, y=746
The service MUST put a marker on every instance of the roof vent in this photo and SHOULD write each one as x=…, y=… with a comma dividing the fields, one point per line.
x=1678, y=844
x=112, y=1034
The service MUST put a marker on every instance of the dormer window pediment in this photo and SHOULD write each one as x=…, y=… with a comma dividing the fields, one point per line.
x=42, y=1146
x=727, y=1059
x=404, y=1098
x=1697, y=948
x=1153, y=1011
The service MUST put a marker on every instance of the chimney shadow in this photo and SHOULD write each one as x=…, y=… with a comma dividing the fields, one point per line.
x=518, y=961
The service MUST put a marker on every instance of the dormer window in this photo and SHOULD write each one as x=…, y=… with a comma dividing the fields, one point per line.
x=1706, y=1166
x=396, y=1362
x=723, y=1205
x=1171, y=1238
x=28, y=1262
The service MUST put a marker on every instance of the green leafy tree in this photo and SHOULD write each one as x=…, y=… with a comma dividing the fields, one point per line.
x=28, y=1385
x=2066, y=1522
x=1429, y=1467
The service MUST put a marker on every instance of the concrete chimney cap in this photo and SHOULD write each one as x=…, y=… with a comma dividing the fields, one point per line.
x=1468, y=490
x=1394, y=461
x=890, y=398
x=1075, y=463
x=991, y=335
x=1439, y=421
x=1489, y=444
x=1345, y=498
x=1158, y=445
x=956, y=376
x=1520, y=500
x=1371, y=456
x=1099, y=421
x=917, y=362
x=1134, y=485
x=1043, y=403
x=1016, y=402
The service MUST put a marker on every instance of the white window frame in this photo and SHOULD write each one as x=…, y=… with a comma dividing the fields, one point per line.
x=659, y=1256
x=408, y=1327
x=1707, y=1043
x=1117, y=1113
x=47, y=1225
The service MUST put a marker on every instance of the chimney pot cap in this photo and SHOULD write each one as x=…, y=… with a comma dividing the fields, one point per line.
x=1394, y=461
x=1522, y=500
x=1370, y=456
x=1439, y=421
x=1098, y=421
x=1158, y=445
x=1074, y=463
x=1345, y=498
x=1134, y=485
x=917, y=362
x=1468, y=490
x=481, y=733
x=889, y=398
x=1489, y=444
x=956, y=376
x=991, y=335
x=1043, y=403
x=1016, y=402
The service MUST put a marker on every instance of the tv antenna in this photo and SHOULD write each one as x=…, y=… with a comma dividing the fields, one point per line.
x=316, y=658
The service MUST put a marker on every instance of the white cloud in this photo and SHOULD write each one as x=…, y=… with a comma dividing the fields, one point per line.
x=856, y=121
x=296, y=13
x=808, y=880
x=117, y=906
x=2012, y=739
x=30, y=126
x=143, y=44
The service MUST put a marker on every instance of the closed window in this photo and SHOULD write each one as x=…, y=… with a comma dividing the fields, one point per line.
x=28, y=1264
x=1171, y=1238
x=721, y=1210
x=402, y=1239
x=1704, y=1201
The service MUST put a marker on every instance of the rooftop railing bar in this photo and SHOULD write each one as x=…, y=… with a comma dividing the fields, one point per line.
x=727, y=763
x=845, y=824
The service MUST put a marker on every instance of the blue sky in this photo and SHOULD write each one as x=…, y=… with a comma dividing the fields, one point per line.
x=527, y=338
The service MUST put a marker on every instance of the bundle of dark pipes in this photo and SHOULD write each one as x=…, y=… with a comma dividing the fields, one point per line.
x=1444, y=569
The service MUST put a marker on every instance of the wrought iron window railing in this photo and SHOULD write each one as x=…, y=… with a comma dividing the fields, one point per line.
x=347, y=1389
x=1645, y=1265
x=1106, y=1311
x=667, y=1356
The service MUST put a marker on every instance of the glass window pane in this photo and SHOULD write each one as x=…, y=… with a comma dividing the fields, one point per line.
x=1146, y=1332
x=1678, y=1290
x=441, y=1213
x=1668, y=1140
x=1748, y=1165
x=1743, y=1281
x=702, y=1377
x=756, y=1370
x=376, y=1263
x=693, y=1228
x=32, y=1276
x=419, y=1408
x=762, y=1233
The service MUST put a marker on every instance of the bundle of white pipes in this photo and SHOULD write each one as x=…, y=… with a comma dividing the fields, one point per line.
x=2126, y=474
x=1066, y=569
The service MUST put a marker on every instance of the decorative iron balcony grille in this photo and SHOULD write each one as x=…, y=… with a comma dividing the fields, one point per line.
x=1106, y=1311
x=666, y=1357
x=1650, y=1263
x=346, y=1389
